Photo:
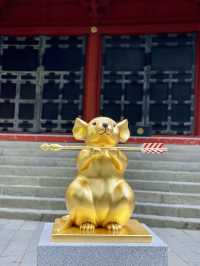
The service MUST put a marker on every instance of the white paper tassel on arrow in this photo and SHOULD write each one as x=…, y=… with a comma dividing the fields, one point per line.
x=154, y=148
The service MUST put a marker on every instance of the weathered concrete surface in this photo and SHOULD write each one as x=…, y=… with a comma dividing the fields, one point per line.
x=19, y=239
x=96, y=254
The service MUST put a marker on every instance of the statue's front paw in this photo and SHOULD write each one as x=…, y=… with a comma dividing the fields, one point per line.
x=87, y=227
x=114, y=227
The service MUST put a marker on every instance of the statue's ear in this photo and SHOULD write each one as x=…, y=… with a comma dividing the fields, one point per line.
x=124, y=132
x=80, y=129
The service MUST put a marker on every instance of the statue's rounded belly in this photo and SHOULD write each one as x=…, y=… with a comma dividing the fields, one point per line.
x=101, y=198
x=102, y=208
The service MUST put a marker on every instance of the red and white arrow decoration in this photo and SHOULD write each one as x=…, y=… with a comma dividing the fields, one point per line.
x=154, y=148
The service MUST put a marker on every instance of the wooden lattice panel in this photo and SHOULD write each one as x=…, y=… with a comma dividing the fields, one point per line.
x=150, y=80
x=41, y=83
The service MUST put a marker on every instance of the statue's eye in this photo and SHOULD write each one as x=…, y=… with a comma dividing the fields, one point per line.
x=94, y=123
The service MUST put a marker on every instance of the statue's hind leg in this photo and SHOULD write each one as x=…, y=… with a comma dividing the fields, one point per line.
x=79, y=200
x=122, y=206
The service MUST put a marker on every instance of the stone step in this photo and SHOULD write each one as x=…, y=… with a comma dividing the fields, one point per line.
x=167, y=221
x=162, y=175
x=172, y=210
x=7, y=177
x=37, y=161
x=134, y=176
x=58, y=191
x=168, y=197
x=169, y=156
x=32, y=191
x=169, y=166
x=170, y=186
x=31, y=144
x=36, y=170
x=36, y=152
x=33, y=148
x=61, y=181
x=41, y=203
x=58, y=203
x=70, y=162
x=48, y=181
x=36, y=145
x=31, y=214
x=33, y=183
x=49, y=215
x=21, y=170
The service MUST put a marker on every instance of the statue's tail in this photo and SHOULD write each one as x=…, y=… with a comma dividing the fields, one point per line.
x=62, y=223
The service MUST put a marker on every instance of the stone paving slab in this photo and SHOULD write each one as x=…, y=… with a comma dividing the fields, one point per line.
x=18, y=244
x=182, y=244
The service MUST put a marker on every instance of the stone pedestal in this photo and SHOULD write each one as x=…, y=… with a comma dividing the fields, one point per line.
x=100, y=254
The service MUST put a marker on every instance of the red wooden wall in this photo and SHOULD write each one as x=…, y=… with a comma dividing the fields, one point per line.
x=60, y=13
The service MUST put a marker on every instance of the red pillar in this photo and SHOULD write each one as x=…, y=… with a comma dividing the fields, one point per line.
x=91, y=100
x=197, y=88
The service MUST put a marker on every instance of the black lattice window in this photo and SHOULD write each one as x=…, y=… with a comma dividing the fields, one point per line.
x=149, y=79
x=41, y=85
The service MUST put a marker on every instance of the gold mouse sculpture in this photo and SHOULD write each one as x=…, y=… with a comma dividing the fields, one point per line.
x=99, y=196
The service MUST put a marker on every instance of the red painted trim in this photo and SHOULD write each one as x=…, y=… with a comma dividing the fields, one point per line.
x=30, y=31
x=197, y=88
x=69, y=138
x=150, y=28
x=115, y=29
x=36, y=138
x=92, y=77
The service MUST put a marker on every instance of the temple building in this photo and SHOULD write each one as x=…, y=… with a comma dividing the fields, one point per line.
x=68, y=58
x=134, y=59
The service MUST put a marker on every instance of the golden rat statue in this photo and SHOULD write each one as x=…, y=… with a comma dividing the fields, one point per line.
x=99, y=196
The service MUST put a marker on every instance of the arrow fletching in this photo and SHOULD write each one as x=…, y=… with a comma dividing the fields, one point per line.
x=154, y=148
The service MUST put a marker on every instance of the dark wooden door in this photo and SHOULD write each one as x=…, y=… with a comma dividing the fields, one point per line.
x=41, y=88
x=149, y=79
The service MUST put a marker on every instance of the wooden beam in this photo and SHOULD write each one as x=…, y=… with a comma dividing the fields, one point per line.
x=149, y=28
x=92, y=76
x=114, y=30
x=38, y=30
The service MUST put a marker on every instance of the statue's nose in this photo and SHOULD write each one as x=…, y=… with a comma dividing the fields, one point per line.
x=105, y=125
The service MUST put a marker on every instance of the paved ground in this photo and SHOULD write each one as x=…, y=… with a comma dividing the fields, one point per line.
x=18, y=242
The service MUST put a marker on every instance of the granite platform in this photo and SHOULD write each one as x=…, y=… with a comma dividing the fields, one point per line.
x=53, y=253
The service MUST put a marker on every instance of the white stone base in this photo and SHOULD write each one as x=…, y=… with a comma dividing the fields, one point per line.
x=51, y=253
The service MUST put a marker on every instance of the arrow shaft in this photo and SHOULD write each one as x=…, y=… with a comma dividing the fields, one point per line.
x=68, y=148
x=146, y=148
